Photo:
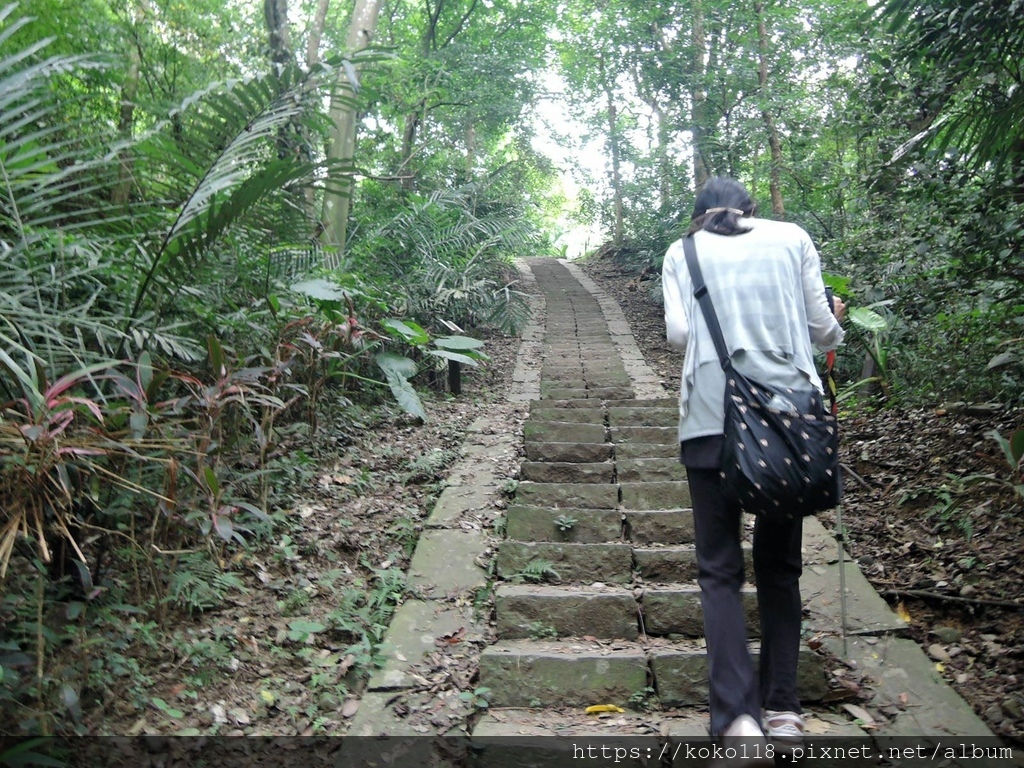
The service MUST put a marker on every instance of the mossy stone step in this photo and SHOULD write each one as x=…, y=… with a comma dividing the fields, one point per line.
x=608, y=379
x=563, y=432
x=551, y=738
x=662, y=402
x=588, y=415
x=676, y=610
x=649, y=470
x=526, y=673
x=659, y=526
x=673, y=564
x=567, y=403
x=597, y=389
x=569, y=451
x=569, y=562
x=663, y=494
x=562, y=495
x=619, y=416
x=647, y=451
x=544, y=612
x=556, y=391
x=567, y=472
x=668, y=435
x=584, y=526
x=681, y=675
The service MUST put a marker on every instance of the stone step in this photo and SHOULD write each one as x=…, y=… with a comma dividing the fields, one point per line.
x=563, y=432
x=568, y=495
x=647, y=451
x=680, y=674
x=569, y=452
x=676, y=611
x=561, y=367
x=550, y=392
x=578, y=673
x=569, y=673
x=584, y=526
x=657, y=435
x=664, y=402
x=552, y=738
x=674, y=564
x=567, y=563
x=608, y=378
x=542, y=612
x=587, y=415
x=620, y=416
x=568, y=403
x=597, y=389
x=659, y=526
x=647, y=470
x=665, y=494
x=567, y=472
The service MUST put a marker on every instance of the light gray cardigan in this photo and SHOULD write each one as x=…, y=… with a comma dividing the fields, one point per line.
x=768, y=293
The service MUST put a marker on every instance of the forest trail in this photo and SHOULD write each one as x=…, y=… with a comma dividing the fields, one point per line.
x=594, y=579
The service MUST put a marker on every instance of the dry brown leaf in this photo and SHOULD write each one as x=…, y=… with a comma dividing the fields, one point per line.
x=864, y=718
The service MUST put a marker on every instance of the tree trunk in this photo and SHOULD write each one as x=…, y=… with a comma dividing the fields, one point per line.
x=316, y=33
x=699, y=99
x=275, y=13
x=470, y=150
x=615, y=151
x=122, y=191
x=343, y=135
x=412, y=124
x=660, y=138
x=774, y=183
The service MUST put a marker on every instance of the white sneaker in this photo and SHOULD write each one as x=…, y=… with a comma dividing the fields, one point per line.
x=744, y=727
x=784, y=726
x=745, y=742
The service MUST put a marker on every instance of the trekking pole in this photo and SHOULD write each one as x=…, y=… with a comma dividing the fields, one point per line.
x=830, y=360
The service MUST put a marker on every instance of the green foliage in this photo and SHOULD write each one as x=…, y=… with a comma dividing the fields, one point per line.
x=537, y=571
x=478, y=698
x=643, y=699
x=28, y=753
x=364, y=612
x=540, y=631
x=450, y=256
x=197, y=584
x=973, y=57
x=398, y=369
x=1013, y=452
x=565, y=523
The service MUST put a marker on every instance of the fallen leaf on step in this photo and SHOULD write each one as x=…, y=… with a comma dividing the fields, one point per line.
x=864, y=718
x=903, y=613
x=598, y=708
x=452, y=637
x=816, y=727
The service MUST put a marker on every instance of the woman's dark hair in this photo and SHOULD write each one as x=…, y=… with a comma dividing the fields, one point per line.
x=730, y=197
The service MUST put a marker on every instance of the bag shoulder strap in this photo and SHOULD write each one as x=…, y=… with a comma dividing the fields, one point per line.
x=700, y=292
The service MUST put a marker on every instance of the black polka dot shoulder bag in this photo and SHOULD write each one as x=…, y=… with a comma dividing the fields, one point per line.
x=780, y=455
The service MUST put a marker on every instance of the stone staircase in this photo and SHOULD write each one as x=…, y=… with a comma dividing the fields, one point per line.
x=598, y=602
x=594, y=583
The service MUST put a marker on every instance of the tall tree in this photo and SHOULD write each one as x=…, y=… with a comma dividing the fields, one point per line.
x=774, y=143
x=344, y=116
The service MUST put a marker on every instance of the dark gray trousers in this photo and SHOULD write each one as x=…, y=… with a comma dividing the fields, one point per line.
x=735, y=688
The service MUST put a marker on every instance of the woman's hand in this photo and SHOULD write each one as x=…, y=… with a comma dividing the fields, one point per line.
x=839, y=308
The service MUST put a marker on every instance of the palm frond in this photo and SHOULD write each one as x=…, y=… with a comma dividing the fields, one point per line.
x=222, y=162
